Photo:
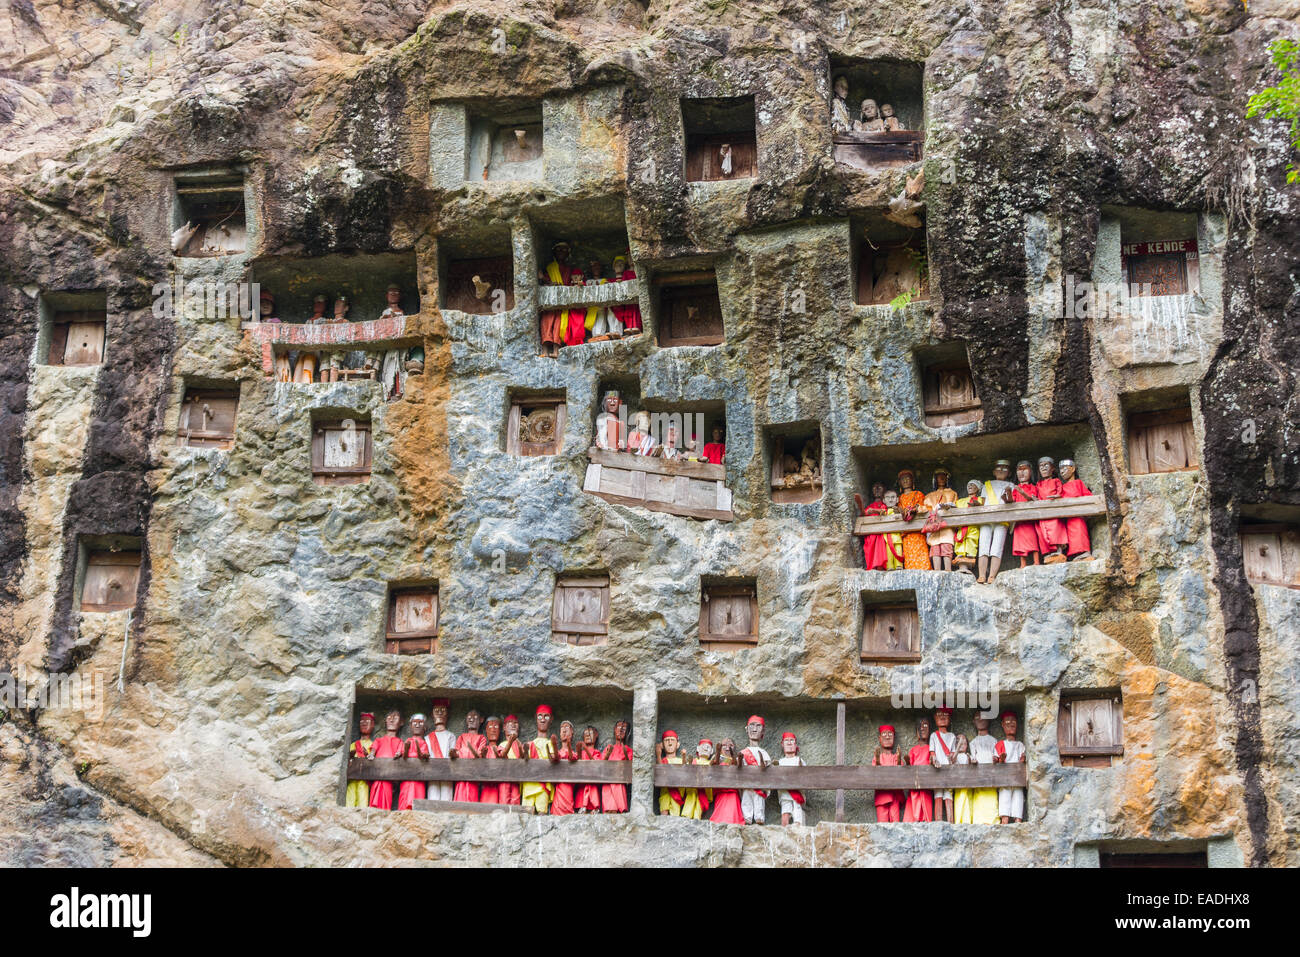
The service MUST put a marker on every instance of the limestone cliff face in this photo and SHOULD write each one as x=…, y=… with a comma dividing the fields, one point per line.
x=1051, y=131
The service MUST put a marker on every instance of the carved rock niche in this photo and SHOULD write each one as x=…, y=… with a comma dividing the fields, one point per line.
x=580, y=609
x=536, y=425
x=891, y=628
x=1270, y=550
x=796, y=467
x=207, y=418
x=689, y=310
x=721, y=138
x=1090, y=728
x=208, y=217
x=111, y=574
x=891, y=262
x=728, y=614
x=412, y=627
x=477, y=273
x=876, y=113
x=73, y=328
x=341, y=450
x=504, y=143
x=1161, y=433
x=947, y=387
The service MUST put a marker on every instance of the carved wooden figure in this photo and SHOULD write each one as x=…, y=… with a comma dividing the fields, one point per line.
x=792, y=801
x=628, y=316
x=966, y=543
x=920, y=803
x=554, y=323
x=613, y=797
x=544, y=747
x=1051, y=531
x=1011, y=801
x=963, y=798
x=442, y=744
x=983, y=750
x=993, y=537
x=587, y=799
x=695, y=801
x=567, y=751
x=416, y=746
x=943, y=745
x=470, y=744
x=727, y=807
x=1078, y=546
x=1025, y=541
x=916, y=552
x=753, y=801
x=941, y=540
x=389, y=745
x=888, y=118
x=841, y=118
x=358, y=793
x=670, y=799
x=715, y=452
x=869, y=118
x=490, y=792
x=511, y=749
x=611, y=428
x=889, y=804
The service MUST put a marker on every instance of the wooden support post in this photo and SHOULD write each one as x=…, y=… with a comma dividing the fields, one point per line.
x=839, y=758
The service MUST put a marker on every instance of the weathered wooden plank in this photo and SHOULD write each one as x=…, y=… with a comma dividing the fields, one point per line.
x=466, y=807
x=839, y=757
x=605, y=294
x=828, y=777
x=649, y=463
x=669, y=507
x=1081, y=507
x=489, y=769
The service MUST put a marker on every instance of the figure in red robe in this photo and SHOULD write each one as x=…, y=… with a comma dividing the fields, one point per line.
x=587, y=797
x=490, y=792
x=416, y=746
x=629, y=315
x=563, y=802
x=726, y=801
x=920, y=803
x=1051, y=531
x=1076, y=529
x=512, y=749
x=715, y=450
x=889, y=804
x=1025, y=540
x=875, y=553
x=469, y=744
x=388, y=746
x=613, y=797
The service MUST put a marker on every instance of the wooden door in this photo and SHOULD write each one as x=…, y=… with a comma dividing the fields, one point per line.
x=1261, y=553
x=729, y=614
x=580, y=610
x=343, y=448
x=81, y=335
x=1162, y=442
x=692, y=316
x=208, y=419
x=412, y=621
x=891, y=632
x=704, y=156
x=111, y=581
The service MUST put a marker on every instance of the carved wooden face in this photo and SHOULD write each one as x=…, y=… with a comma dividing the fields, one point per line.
x=841, y=87
x=789, y=746
x=566, y=731
x=611, y=404
x=890, y=499
x=1045, y=468
x=1068, y=472
x=439, y=715
x=512, y=727
x=1023, y=472
x=905, y=481
x=418, y=726
x=543, y=722
x=869, y=110
x=493, y=731
x=473, y=720
x=877, y=492
x=670, y=746
x=394, y=296
x=942, y=720
x=886, y=739
x=923, y=730
x=940, y=479
x=1009, y=724
x=367, y=725
x=973, y=489
x=1000, y=472
x=755, y=730
x=393, y=721
x=704, y=750
x=886, y=110
x=981, y=724
x=561, y=253
x=620, y=731
x=717, y=435
x=589, y=737
x=340, y=308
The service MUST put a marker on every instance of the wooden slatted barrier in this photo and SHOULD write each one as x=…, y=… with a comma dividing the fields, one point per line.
x=847, y=777
x=691, y=489
x=489, y=769
x=1083, y=507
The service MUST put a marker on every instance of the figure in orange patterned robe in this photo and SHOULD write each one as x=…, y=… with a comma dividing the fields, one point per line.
x=920, y=803
x=916, y=552
x=469, y=744
x=889, y=804
x=613, y=797
x=388, y=746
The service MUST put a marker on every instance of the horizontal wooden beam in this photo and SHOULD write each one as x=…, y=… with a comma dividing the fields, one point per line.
x=468, y=807
x=686, y=511
x=1083, y=507
x=830, y=777
x=659, y=466
x=489, y=769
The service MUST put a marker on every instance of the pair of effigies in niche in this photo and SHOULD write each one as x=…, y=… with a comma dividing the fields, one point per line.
x=940, y=748
x=946, y=542
x=390, y=366
x=573, y=326
x=490, y=738
x=870, y=135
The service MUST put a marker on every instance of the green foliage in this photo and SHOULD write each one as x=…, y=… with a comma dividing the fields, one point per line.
x=1282, y=102
x=922, y=276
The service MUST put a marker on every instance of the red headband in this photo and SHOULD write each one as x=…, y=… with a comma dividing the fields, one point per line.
x=706, y=741
x=886, y=727
x=753, y=718
x=670, y=734
x=943, y=711
x=368, y=714
x=1006, y=714
x=442, y=702
x=511, y=717
x=790, y=735
x=543, y=709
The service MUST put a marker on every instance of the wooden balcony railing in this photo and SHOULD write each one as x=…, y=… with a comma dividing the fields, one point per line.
x=843, y=777
x=489, y=769
x=691, y=489
x=605, y=294
x=1083, y=507
x=332, y=336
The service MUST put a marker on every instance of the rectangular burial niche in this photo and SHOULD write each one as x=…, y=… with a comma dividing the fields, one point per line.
x=891, y=263
x=693, y=422
x=721, y=138
x=947, y=388
x=796, y=462
x=504, y=141
x=597, y=706
x=728, y=613
x=1160, y=434
x=1090, y=728
x=891, y=628
x=363, y=279
x=536, y=422
x=411, y=627
x=580, y=608
x=477, y=270
x=72, y=328
x=688, y=310
x=1270, y=544
x=973, y=457
x=208, y=412
x=813, y=721
x=341, y=449
x=109, y=572
x=877, y=88
x=208, y=216
x=1158, y=252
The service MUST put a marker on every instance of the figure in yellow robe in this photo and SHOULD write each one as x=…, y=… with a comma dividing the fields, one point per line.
x=535, y=794
x=358, y=794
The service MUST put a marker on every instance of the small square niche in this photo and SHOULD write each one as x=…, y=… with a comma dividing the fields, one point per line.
x=876, y=113
x=689, y=309
x=536, y=424
x=208, y=414
x=1158, y=252
x=109, y=572
x=891, y=628
x=891, y=264
x=1090, y=728
x=796, y=467
x=341, y=451
x=504, y=142
x=728, y=614
x=947, y=386
x=721, y=138
x=73, y=327
x=208, y=215
x=1161, y=433
x=412, y=627
x=477, y=271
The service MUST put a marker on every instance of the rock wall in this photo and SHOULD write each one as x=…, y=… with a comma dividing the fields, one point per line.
x=259, y=619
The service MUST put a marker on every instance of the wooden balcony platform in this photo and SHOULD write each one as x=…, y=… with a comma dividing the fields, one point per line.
x=689, y=489
x=489, y=769
x=374, y=334
x=1083, y=507
x=619, y=293
x=844, y=777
